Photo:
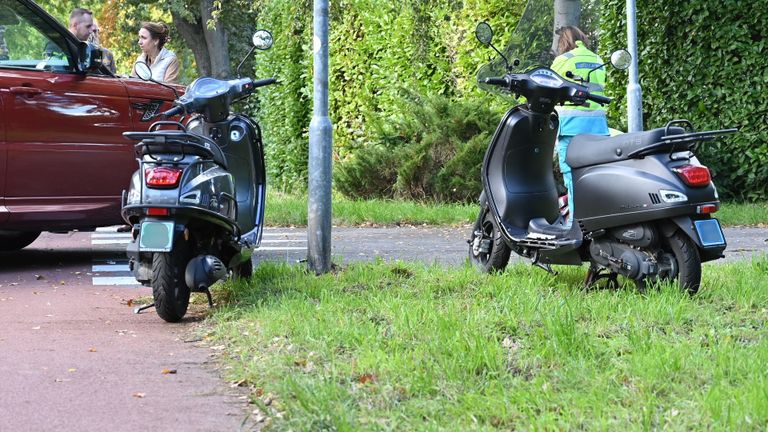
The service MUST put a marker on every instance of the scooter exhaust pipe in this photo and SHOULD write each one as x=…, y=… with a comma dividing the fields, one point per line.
x=203, y=271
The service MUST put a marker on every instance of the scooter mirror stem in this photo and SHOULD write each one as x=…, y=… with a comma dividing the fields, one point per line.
x=243, y=60
x=594, y=69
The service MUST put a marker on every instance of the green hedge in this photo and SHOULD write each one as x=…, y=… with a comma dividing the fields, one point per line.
x=706, y=61
x=379, y=50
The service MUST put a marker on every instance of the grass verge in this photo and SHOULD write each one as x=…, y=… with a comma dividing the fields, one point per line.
x=393, y=346
x=291, y=210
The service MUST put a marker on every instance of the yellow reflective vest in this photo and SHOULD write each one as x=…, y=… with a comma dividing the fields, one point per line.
x=580, y=61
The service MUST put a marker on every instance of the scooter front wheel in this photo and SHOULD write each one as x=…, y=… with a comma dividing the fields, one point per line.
x=487, y=250
x=169, y=288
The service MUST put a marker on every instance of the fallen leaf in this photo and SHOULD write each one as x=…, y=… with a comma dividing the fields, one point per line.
x=139, y=395
x=168, y=371
x=92, y=350
x=240, y=383
x=39, y=277
x=129, y=303
x=366, y=378
x=62, y=283
x=36, y=328
x=71, y=370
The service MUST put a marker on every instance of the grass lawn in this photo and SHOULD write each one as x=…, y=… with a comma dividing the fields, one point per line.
x=393, y=346
x=291, y=210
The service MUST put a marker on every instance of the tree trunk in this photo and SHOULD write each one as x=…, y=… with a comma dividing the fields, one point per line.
x=193, y=36
x=567, y=13
x=215, y=40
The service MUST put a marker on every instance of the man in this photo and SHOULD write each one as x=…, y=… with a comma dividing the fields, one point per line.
x=81, y=23
x=108, y=59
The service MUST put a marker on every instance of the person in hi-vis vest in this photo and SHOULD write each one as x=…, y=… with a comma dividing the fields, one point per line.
x=574, y=56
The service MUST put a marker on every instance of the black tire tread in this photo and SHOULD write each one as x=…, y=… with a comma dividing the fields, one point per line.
x=688, y=261
x=16, y=240
x=167, y=275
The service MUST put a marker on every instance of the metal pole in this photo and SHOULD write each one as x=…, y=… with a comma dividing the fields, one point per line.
x=320, y=148
x=634, y=92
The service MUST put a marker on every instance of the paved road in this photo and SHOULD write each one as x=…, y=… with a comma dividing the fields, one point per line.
x=74, y=357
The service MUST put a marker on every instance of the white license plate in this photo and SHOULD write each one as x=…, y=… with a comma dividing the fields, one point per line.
x=156, y=236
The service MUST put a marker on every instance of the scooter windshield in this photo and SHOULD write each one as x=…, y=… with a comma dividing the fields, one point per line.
x=533, y=42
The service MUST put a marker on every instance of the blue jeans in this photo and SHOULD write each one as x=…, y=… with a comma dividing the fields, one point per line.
x=562, y=148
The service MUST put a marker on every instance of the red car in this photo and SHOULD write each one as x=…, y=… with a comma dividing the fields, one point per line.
x=63, y=160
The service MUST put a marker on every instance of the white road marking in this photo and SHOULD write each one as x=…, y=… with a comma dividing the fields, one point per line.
x=110, y=235
x=109, y=241
x=115, y=280
x=284, y=241
x=110, y=268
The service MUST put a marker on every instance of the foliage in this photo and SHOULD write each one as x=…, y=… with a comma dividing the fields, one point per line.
x=705, y=61
x=378, y=48
x=431, y=150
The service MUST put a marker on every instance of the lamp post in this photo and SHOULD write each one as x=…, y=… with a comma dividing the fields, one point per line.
x=634, y=92
x=320, y=150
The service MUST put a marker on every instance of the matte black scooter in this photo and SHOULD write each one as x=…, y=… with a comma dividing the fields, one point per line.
x=196, y=203
x=643, y=202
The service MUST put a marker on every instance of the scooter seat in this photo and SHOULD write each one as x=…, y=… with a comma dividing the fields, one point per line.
x=586, y=150
x=177, y=142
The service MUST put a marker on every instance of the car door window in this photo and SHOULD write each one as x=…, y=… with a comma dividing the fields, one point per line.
x=27, y=42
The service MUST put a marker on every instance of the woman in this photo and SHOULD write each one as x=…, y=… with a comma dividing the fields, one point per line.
x=590, y=118
x=163, y=63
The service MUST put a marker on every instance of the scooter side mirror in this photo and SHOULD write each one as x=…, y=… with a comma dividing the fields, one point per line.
x=484, y=33
x=262, y=39
x=621, y=59
x=142, y=70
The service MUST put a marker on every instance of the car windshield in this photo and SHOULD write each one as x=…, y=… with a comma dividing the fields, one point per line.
x=26, y=42
x=533, y=41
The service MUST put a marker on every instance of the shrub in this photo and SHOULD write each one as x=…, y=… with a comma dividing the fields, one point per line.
x=432, y=151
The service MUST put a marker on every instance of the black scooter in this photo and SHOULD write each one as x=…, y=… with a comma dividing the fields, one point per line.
x=643, y=202
x=196, y=203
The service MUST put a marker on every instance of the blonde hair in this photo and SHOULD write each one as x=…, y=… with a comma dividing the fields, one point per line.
x=568, y=37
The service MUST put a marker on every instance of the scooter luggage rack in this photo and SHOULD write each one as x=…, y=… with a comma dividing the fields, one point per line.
x=679, y=142
x=180, y=138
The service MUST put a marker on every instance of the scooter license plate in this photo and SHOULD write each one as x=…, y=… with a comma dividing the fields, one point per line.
x=156, y=236
x=710, y=232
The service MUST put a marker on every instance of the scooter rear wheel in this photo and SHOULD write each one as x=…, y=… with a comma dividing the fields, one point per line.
x=169, y=288
x=487, y=250
x=688, y=262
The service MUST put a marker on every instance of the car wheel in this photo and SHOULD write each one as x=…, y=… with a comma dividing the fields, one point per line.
x=15, y=240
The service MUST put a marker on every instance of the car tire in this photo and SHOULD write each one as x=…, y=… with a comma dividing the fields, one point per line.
x=16, y=240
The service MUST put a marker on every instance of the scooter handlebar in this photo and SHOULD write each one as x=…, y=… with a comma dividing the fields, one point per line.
x=602, y=100
x=497, y=81
x=172, y=112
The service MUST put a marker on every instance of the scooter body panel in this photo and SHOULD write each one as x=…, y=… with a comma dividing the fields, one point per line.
x=517, y=170
x=635, y=190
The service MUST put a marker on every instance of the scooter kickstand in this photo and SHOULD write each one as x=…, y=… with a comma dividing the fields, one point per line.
x=210, y=299
x=545, y=266
x=138, y=310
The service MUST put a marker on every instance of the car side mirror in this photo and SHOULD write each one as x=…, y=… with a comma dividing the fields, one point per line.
x=143, y=71
x=91, y=57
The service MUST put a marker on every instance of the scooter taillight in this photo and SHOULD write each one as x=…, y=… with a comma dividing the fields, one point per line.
x=693, y=175
x=162, y=176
